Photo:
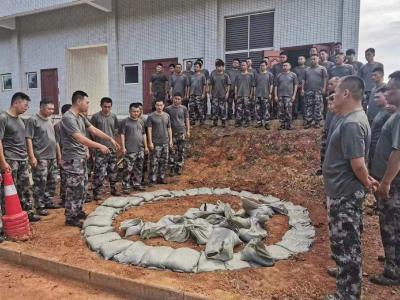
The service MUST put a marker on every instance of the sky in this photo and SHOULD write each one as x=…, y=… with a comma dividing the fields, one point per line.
x=380, y=29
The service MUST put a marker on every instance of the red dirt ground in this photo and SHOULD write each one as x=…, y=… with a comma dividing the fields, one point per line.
x=277, y=163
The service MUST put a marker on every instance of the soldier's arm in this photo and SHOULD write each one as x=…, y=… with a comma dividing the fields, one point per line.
x=151, y=88
x=146, y=148
x=393, y=168
x=100, y=134
x=360, y=170
x=3, y=164
x=58, y=153
x=122, y=137
x=149, y=137
x=31, y=155
x=187, y=122
x=80, y=138
x=170, y=136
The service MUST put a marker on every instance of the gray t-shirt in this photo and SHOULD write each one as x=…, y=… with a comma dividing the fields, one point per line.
x=133, y=130
x=327, y=64
x=178, y=116
x=179, y=84
x=376, y=129
x=300, y=72
x=285, y=82
x=12, y=135
x=244, y=84
x=373, y=109
x=350, y=139
x=41, y=132
x=388, y=141
x=277, y=69
x=197, y=83
x=107, y=124
x=314, y=78
x=341, y=71
x=366, y=74
x=159, y=124
x=70, y=124
x=158, y=81
x=357, y=66
x=220, y=84
x=263, y=82
x=233, y=73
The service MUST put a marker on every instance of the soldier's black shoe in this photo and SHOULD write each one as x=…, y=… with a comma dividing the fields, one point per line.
x=126, y=192
x=151, y=183
x=289, y=127
x=223, y=124
x=281, y=127
x=140, y=188
x=52, y=206
x=42, y=212
x=258, y=125
x=318, y=172
x=161, y=181
x=116, y=193
x=381, y=258
x=267, y=126
x=97, y=197
x=33, y=218
x=381, y=279
x=333, y=272
x=74, y=223
x=307, y=126
x=178, y=171
x=317, y=125
x=82, y=215
x=247, y=124
x=215, y=123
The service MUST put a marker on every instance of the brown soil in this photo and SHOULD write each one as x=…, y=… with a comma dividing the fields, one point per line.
x=277, y=163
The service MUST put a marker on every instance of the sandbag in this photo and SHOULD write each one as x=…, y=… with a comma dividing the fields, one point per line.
x=104, y=211
x=109, y=249
x=176, y=233
x=200, y=229
x=156, y=257
x=134, y=227
x=183, y=260
x=178, y=193
x=221, y=243
x=254, y=232
x=133, y=254
x=100, y=221
x=135, y=201
x=171, y=219
x=209, y=265
x=278, y=252
x=215, y=219
x=192, y=192
x=249, y=204
x=151, y=230
x=95, y=230
x=128, y=223
x=269, y=199
x=296, y=245
x=236, y=263
x=263, y=213
x=161, y=195
x=279, y=207
x=235, y=222
x=146, y=196
x=205, y=191
x=116, y=202
x=221, y=191
x=96, y=241
x=255, y=251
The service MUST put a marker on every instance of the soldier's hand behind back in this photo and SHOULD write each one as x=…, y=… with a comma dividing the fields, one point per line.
x=104, y=150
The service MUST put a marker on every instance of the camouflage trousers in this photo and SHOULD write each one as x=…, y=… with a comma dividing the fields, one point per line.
x=105, y=165
x=75, y=191
x=177, y=155
x=63, y=184
x=312, y=112
x=196, y=108
x=20, y=173
x=262, y=110
x=345, y=228
x=231, y=105
x=218, y=108
x=365, y=100
x=285, y=110
x=133, y=169
x=158, y=162
x=389, y=221
x=243, y=110
x=44, y=182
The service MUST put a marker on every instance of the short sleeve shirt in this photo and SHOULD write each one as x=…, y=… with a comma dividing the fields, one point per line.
x=134, y=131
x=12, y=135
x=300, y=73
x=107, y=124
x=233, y=73
x=389, y=140
x=373, y=109
x=277, y=69
x=341, y=71
x=376, y=129
x=220, y=84
x=178, y=115
x=197, y=82
x=179, y=84
x=159, y=124
x=263, y=82
x=71, y=124
x=366, y=74
x=158, y=81
x=314, y=78
x=327, y=64
x=41, y=131
x=244, y=84
x=285, y=83
x=350, y=139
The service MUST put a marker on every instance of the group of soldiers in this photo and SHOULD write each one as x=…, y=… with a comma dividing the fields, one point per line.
x=67, y=146
x=245, y=93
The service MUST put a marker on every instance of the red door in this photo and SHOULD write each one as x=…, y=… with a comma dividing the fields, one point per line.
x=149, y=67
x=49, y=87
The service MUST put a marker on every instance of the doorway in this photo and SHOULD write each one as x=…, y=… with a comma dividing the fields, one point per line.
x=149, y=67
x=49, y=87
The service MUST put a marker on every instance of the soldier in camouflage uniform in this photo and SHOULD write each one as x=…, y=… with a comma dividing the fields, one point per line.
x=264, y=82
x=159, y=140
x=198, y=84
x=134, y=147
x=159, y=85
x=315, y=81
x=386, y=167
x=74, y=142
x=105, y=164
x=244, y=92
x=13, y=157
x=346, y=179
x=41, y=144
x=219, y=89
x=180, y=132
x=232, y=73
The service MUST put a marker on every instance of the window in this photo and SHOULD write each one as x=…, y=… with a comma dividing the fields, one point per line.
x=248, y=36
x=6, y=81
x=131, y=74
x=31, y=78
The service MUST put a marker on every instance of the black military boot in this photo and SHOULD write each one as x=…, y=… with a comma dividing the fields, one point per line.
x=74, y=223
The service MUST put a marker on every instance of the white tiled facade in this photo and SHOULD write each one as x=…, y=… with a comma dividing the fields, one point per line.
x=135, y=31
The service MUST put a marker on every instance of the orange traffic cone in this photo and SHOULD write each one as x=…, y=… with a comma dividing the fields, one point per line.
x=15, y=221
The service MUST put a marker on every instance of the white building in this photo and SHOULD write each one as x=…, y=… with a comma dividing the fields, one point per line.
x=49, y=48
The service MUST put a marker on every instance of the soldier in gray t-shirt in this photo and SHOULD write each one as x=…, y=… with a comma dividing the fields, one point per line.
x=197, y=90
x=179, y=84
x=159, y=134
x=13, y=157
x=41, y=145
x=105, y=164
x=232, y=73
x=264, y=82
x=366, y=74
x=219, y=88
x=158, y=84
x=244, y=92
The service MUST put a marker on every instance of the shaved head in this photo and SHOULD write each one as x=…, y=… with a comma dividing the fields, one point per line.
x=353, y=84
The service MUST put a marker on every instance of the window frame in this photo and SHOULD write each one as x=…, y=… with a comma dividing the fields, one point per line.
x=124, y=72
x=3, y=82
x=27, y=80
